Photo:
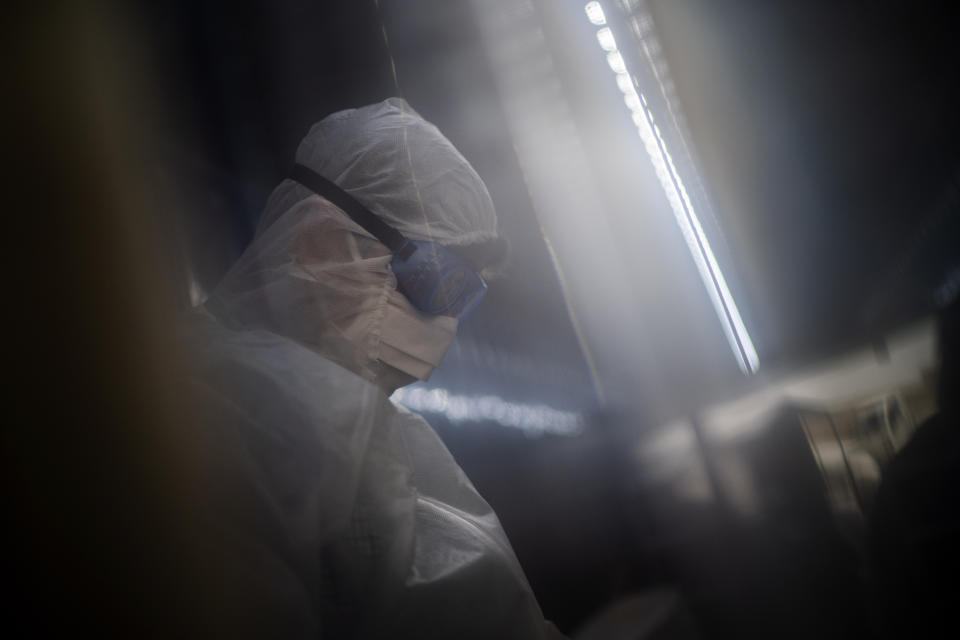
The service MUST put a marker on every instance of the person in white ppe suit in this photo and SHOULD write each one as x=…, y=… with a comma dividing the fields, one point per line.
x=345, y=515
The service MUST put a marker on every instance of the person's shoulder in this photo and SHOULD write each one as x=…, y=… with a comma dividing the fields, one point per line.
x=267, y=373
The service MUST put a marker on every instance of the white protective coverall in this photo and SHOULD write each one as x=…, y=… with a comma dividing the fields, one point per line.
x=345, y=516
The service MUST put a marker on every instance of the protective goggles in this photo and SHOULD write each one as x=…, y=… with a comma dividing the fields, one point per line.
x=435, y=279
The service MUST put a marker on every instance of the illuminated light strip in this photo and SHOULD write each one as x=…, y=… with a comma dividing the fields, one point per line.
x=679, y=200
x=534, y=419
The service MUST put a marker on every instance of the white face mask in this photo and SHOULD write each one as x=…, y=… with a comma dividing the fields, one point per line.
x=413, y=342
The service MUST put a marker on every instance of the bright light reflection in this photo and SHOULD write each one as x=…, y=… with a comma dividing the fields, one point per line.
x=633, y=102
x=534, y=419
x=605, y=38
x=680, y=202
x=615, y=60
x=595, y=13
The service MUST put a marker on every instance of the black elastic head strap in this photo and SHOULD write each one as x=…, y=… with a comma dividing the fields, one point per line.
x=380, y=230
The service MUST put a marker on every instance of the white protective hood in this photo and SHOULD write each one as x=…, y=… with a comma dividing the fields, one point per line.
x=400, y=167
x=314, y=275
